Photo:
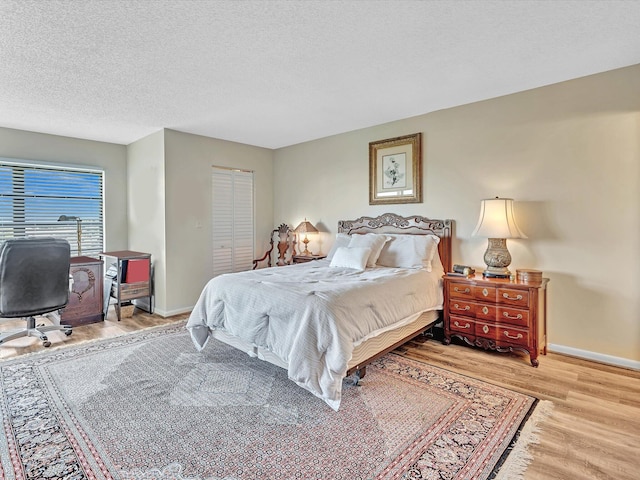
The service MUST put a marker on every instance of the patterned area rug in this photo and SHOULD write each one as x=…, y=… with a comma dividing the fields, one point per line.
x=147, y=406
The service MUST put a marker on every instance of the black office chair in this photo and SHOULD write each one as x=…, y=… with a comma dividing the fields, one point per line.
x=34, y=280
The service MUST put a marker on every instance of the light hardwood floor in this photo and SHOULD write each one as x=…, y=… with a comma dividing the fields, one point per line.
x=594, y=429
x=107, y=329
x=592, y=433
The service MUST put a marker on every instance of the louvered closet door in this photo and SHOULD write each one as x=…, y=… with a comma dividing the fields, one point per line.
x=233, y=232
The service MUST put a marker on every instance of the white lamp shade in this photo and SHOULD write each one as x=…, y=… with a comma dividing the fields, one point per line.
x=497, y=219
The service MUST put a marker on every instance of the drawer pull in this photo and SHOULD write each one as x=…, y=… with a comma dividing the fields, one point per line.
x=466, y=325
x=517, y=317
x=516, y=337
x=517, y=297
x=457, y=307
x=485, y=292
x=485, y=329
x=466, y=290
x=485, y=310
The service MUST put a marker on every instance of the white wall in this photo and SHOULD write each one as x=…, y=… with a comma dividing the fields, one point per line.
x=569, y=154
x=55, y=149
x=188, y=231
x=147, y=208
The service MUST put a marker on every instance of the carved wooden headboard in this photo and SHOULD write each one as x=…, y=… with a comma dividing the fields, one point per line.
x=417, y=225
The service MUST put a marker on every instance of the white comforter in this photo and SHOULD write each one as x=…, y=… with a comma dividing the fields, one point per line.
x=310, y=315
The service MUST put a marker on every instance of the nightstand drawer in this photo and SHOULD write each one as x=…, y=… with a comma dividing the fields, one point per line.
x=472, y=309
x=461, y=307
x=486, y=312
x=516, y=336
x=486, y=294
x=508, y=296
x=458, y=290
x=513, y=316
x=462, y=325
x=502, y=334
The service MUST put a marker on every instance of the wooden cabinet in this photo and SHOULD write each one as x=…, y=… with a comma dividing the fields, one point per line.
x=496, y=314
x=85, y=292
x=306, y=258
x=124, y=285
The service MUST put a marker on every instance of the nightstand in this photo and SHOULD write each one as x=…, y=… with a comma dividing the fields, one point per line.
x=129, y=283
x=497, y=314
x=307, y=258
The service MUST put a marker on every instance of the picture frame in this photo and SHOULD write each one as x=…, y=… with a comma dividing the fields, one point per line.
x=395, y=170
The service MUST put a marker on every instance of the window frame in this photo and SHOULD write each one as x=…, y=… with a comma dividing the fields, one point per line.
x=69, y=230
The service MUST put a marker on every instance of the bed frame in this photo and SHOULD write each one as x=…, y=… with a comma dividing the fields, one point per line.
x=375, y=347
x=392, y=223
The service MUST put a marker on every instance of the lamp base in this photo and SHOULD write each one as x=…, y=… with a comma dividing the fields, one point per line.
x=488, y=274
x=497, y=259
x=306, y=251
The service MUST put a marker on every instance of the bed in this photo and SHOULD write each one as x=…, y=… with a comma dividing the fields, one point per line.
x=327, y=319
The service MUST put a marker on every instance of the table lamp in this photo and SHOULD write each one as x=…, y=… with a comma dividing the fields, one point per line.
x=497, y=223
x=69, y=218
x=306, y=227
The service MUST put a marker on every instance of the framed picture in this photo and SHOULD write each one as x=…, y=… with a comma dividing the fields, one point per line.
x=395, y=170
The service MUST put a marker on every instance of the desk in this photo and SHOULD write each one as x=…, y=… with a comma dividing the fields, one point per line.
x=85, y=292
x=122, y=290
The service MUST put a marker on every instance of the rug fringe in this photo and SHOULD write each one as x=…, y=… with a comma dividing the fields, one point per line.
x=519, y=458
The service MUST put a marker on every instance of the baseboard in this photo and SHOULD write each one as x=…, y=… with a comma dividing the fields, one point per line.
x=594, y=356
x=171, y=313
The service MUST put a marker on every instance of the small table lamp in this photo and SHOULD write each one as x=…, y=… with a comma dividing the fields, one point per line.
x=306, y=227
x=497, y=223
x=78, y=220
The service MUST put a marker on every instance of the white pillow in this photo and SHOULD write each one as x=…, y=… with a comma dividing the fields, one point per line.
x=355, y=257
x=436, y=264
x=409, y=251
x=370, y=240
x=342, y=240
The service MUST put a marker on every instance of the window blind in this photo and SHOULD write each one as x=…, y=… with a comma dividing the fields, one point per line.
x=33, y=198
x=233, y=231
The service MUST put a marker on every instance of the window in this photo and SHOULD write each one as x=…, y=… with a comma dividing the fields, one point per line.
x=52, y=201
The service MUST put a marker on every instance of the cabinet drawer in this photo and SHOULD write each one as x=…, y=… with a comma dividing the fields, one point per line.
x=486, y=294
x=472, y=309
x=513, y=316
x=461, y=307
x=502, y=334
x=130, y=291
x=132, y=294
x=509, y=296
x=460, y=290
x=462, y=325
x=485, y=312
x=513, y=335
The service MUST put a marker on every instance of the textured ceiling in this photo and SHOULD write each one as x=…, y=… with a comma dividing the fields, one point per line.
x=275, y=73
